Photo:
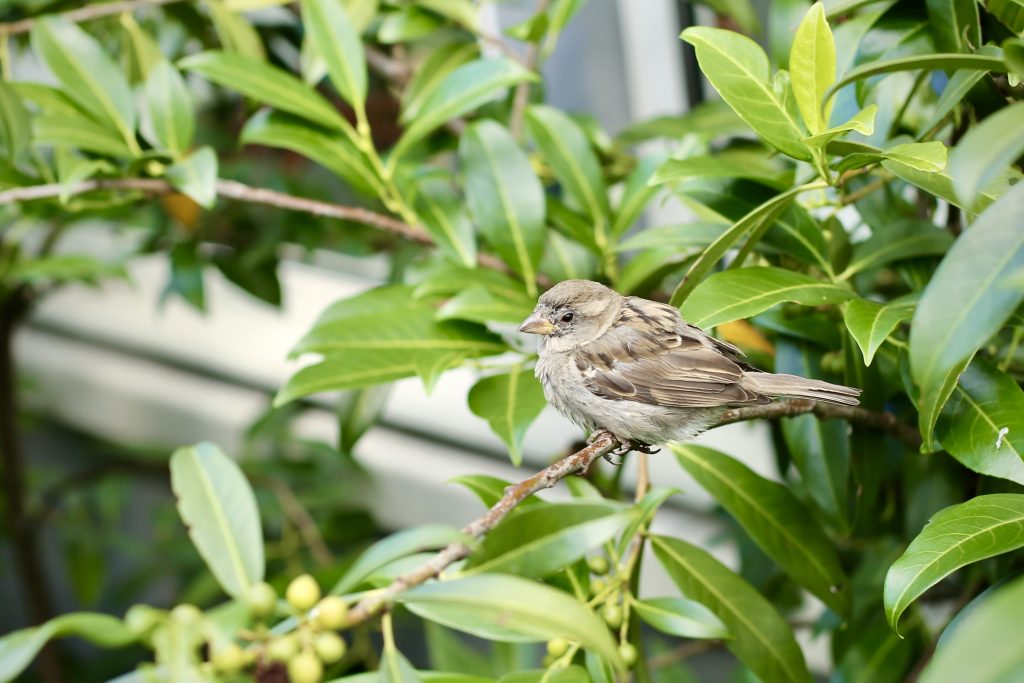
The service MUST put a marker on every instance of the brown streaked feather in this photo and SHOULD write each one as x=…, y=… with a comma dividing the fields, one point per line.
x=652, y=356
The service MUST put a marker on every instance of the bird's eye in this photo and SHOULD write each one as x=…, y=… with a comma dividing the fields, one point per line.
x=567, y=318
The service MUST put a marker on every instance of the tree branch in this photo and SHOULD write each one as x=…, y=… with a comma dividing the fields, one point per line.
x=87, y=13
x=580, y=461
x=886, y=422
x=231, y=189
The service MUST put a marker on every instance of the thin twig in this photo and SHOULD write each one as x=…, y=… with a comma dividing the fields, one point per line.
x=231, y=189
x=886, y=422
x=86, y=13
x=522, y=94
x=303, y=521
x=579, y=461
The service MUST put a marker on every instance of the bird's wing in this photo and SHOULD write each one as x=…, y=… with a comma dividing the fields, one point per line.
x=652, y=356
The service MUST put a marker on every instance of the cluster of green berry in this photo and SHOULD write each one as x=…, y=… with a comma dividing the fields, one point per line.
x=304, y=650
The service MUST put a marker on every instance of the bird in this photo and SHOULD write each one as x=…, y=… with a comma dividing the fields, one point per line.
x=635, y=368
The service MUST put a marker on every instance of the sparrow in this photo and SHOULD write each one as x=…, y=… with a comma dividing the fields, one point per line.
x=635, y=368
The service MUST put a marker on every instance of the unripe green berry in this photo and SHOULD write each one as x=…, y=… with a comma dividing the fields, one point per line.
x=186, y=614
x=612, y=615
x=142, y=619
x=228, y=658
x=628, y=653
x=303, y=592
x=598, y=564
x=282, y=648
x=305, y=667
x=597, y=586
x=331, y=613
x=558, y=647
x=329, y=647
x=261, y=599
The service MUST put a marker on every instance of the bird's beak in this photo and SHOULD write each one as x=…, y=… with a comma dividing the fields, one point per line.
x=536, y=324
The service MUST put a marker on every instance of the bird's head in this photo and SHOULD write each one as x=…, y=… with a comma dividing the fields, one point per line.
x=573, y=313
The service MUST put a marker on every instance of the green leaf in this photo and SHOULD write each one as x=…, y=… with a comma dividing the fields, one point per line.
x=268, y=84
x=565, y=147
x=870, y=323
x=705, y=122
x=931, y=61
x=510, y=403
x=982, y=425
x=406, y=25
x=395, y=668
x=218, y=507
x=73, y=169
x=738, y=68
x=429, y=75
x=812, y=67
x=15, y=125
x=876, y=656
x=462, y=12
x=196, y=176
x=957, y=88
x=331, y=150
x=169, y=121
x=696, y=235
x=464, y=89
x=543, y=539
x=480, y=304
x=986, y=151
x=444, y=216
x=395, y=547
x=988, y=647
x=903, y=239
x=505, y=196
x=491, y=489
x=756, y=220
x=1013, y=49
x=773, y=517
x=955, y=25
x=724, y=165
x=75, y=130
x=59, y=268
x=959, y=535
x=636, y=194
x=337, y=41
x=47, y=99
x=359, y=410
x=680, y=617
x=745, y=292
x=965, y=302
x=19, y=648
x=761, y=639
x=740, y=11
x=863, y=122
x=88, y=75
x=508, y=608
x=235, y=32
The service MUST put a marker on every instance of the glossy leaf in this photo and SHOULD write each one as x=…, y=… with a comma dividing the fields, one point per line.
x=218, y=507
x=196, y=176
x=543, y=539
x=19, y=648
x=510, y=403
x=812, y=67
x=965, y=302
x=761, y=639
x=169, y=120
x=636, y=194
x=88, y=75
x=268, y=84
x=505, y=196
x=508, y=608
x=774, y=519
x=939, y=184
x=394, y=547
x=907, y=238
x=943, y=61
x=862, y=122
x=445, y=218
x=338, y=43
x=695, y=235
x=955, y=25
x=738, y=68
x=982, y=527
x=987, y=647
x=429, y=75
x=722, y=165
x=680, y=617
x=987, y=150
x=395, y=668
x=236, y=34
x=464, y=89
x=480, y=304
x=870, y=323
x=745, y=292
x=982, y=425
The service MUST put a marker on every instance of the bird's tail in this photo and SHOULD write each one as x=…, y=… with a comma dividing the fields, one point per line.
x=793, y=386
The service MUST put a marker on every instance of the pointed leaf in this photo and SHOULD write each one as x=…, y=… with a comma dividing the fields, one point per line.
x=636, y=193
x=986, y=151
x=395, y=668
x=219, y=509
x=761, y=639
x=745, y=292
x=170, y=123
x=870, y=323
x=430, y=74
x=863, y=122
x=907, y=238
x=15, y=125
x=19, y=648
x=738, y=68
x=394, y=547
x=955, y=25
x=779, y=523
x=965, y=302
x=681, y=617
x=931, y=61
x=338, y=43
x=812, y=67
x=505, y=196
x=508, y=608
x=77, y=131
x=982, y=425
x=444, y=216
x=982, y=527
x=196, y=176
x=510, y=403
x=482, y=305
